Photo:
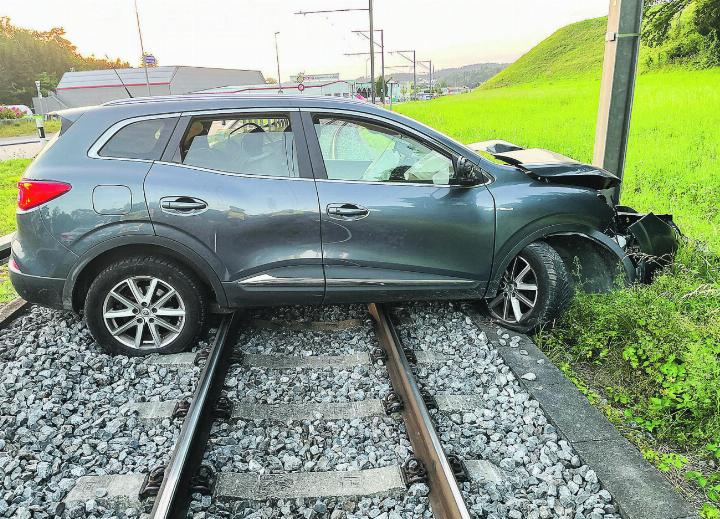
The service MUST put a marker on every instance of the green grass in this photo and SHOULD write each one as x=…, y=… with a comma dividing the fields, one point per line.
x=24, y=127
x=648, y=355
x=10, y=173
x=674, y=148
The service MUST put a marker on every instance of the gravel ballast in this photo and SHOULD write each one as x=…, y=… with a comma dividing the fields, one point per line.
x=61, y=418
x=542, y=476
x=410, y=505
x=274, y=386
x=315, y=444
x=309, y=445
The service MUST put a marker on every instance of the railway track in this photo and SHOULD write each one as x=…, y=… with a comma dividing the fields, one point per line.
x=17, y=305
x=402, y=412
x=187, y=473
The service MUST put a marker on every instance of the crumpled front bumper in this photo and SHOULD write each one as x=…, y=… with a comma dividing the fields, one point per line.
x=650, y=240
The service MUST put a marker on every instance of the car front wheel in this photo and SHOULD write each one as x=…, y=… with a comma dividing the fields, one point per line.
x=143, y=305
x=535, y=288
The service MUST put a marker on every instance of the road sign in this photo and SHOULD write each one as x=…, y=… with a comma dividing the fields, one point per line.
x=301, y=87
x=149, y=59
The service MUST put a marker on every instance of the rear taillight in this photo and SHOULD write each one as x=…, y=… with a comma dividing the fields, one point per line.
x=32, y=193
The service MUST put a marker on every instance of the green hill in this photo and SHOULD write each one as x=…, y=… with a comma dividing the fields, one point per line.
x=575, y=50
x=682, y=33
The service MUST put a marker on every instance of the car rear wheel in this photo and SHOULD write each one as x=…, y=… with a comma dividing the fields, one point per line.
x=535, y=288
x=143, y=305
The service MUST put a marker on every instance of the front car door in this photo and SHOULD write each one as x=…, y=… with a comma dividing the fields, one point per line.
x=393, y=226
x=237, y=188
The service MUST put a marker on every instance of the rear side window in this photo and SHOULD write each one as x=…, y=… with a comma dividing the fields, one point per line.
x=140, y=140
x=251, y=145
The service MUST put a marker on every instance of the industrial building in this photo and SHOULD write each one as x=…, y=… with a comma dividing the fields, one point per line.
x=92, y=87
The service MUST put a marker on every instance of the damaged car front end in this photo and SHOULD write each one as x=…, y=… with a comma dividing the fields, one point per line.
x=649, y=240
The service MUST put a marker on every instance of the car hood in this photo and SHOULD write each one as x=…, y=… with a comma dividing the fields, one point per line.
x=548, y=166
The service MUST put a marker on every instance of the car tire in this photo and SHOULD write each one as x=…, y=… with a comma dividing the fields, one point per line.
x=125, y=318
x=537, y=265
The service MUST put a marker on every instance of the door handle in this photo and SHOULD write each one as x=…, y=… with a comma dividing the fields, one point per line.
x=347, y=211
x=182, y=205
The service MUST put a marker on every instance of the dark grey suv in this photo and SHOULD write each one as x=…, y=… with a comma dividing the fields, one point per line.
x=147, y=214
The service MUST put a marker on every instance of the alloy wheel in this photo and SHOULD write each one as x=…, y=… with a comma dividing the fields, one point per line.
x=144, y=312
x=518, y=292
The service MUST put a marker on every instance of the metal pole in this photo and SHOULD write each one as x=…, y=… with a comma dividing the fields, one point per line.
x=372, y=52
x=382, y=64
x=414, y=77
x=277, y=58
x=617, y=87
x=431, y=78
x=142, y=49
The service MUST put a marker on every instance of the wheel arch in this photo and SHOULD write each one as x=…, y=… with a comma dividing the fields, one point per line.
x=572, y=242
x=96, y=258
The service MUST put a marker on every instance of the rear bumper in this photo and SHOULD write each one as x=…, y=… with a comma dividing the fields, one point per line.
x=39, y=290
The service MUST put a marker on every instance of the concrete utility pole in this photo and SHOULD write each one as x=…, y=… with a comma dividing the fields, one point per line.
x=617, y=87
x=142, y=49
x=372, y=52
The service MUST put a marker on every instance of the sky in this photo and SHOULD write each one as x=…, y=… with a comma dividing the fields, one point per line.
x=240, y=33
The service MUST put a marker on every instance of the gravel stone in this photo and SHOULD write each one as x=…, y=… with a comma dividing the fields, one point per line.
x=543, y=477
x=317, y=444
x=60, y=417
x=274, y=386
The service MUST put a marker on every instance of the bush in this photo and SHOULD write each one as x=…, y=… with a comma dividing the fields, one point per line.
x=10, y=112
x=657, y=347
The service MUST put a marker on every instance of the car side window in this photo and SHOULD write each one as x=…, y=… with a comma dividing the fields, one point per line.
x=252, y=145
x=144, y=140
x=363, y=151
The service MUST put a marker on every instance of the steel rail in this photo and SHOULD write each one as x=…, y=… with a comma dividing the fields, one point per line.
x=173, y=497
x=445, y=497
x=10, y=310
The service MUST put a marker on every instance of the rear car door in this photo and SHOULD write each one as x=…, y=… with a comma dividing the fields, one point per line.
x=393, y=226
x=237, y=188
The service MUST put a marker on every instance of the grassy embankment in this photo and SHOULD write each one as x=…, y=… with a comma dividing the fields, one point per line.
x=647, y=355
x=24, y=127
x=10, y=172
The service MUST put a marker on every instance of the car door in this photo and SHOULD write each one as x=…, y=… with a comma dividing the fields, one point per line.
x=393, y=226
x=238, y=189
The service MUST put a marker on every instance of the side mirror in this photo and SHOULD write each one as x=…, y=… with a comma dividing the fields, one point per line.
x=467, y=173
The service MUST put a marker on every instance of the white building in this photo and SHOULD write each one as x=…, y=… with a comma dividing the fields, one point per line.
x=92, y=87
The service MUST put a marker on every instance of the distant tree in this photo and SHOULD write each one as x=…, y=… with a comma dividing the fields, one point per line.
x=380, y=87
x=48, y=81
x=27, y=56
x=271, y=81
x=707, y=19
x=658, y=19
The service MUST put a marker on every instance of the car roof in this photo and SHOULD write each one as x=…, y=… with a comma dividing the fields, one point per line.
x=210, y=101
